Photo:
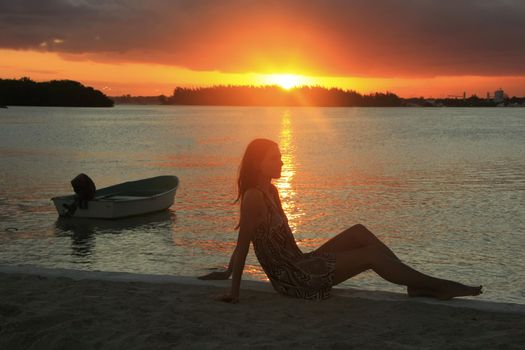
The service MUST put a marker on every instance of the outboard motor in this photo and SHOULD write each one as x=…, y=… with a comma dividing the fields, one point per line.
x=85, y=189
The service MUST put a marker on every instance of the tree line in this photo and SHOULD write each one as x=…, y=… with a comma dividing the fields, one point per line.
x=25, y=92
x=277, y=96
x=68, y=93
x=316, y=96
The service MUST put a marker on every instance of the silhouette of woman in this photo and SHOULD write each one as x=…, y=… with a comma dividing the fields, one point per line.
x=310, y=275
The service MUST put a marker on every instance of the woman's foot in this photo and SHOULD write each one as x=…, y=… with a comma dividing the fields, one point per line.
x=457, y=291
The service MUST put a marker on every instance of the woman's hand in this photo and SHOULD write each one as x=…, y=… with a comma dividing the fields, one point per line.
x=216, y=275
x=228, y=298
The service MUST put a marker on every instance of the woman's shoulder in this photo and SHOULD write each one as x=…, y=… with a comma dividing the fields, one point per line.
x=253, y=195
x=253, y=200
x=257, y=193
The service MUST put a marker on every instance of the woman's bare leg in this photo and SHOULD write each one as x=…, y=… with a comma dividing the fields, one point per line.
x=357, y=236
x=358, y=260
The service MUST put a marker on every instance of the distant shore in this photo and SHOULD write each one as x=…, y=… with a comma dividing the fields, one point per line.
x=49, y=309
x=55, y=93
x=310, y=96
x=69, y=93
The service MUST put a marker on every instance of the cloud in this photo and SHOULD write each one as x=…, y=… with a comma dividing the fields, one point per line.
x=385, y=38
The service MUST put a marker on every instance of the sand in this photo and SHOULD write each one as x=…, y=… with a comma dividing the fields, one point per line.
x=66, y=309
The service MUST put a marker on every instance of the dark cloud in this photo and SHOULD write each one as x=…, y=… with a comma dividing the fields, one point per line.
x=343, y=37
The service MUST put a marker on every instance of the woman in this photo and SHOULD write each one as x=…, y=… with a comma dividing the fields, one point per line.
x=311, y=275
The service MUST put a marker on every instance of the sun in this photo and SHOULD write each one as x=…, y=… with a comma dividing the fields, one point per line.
x=286, y=81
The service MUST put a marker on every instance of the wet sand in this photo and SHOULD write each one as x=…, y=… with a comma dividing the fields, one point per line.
x=65, y=309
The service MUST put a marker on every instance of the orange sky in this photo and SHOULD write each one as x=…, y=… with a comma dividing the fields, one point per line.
x=116, y=79
x=429, y=48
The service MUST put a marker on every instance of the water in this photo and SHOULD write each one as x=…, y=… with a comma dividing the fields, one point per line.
x=444, y=187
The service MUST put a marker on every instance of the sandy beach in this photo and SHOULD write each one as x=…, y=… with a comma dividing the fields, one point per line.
x=66, y=309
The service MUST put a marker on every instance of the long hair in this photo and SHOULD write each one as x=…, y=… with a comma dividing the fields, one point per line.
x=249, y=169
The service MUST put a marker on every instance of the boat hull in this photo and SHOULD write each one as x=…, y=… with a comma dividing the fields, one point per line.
x=124, y=200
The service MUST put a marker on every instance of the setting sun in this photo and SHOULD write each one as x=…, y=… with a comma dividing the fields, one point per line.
x=287, y=81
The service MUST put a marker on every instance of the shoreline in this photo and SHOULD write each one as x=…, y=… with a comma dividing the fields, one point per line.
x=114, y=276
x=57, y=308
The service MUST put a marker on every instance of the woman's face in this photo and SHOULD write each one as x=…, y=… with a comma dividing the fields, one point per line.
x=271, y=164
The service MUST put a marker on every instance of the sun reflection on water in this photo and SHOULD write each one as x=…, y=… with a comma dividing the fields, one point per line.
x=285, y=184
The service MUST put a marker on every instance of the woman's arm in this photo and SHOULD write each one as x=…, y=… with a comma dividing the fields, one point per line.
x=252, y=214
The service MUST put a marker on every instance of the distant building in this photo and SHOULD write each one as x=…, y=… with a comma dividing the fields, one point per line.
x=499, y=96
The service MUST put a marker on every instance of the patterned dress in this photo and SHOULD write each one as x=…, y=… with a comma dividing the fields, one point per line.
x=291, y=271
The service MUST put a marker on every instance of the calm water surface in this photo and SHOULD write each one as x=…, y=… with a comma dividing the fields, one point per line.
x=445, y=188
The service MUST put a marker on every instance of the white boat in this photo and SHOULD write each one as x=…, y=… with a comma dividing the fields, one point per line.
x=124, y=200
